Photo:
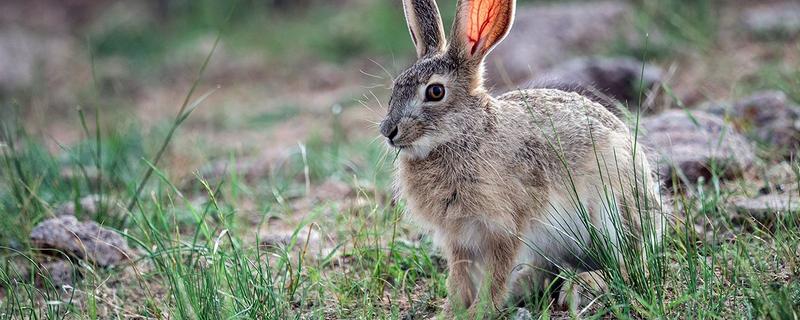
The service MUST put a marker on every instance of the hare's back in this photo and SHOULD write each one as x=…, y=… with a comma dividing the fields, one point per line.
x=556, y=108
x=573, y=124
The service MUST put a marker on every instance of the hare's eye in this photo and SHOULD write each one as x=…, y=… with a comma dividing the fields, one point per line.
x=434, y=92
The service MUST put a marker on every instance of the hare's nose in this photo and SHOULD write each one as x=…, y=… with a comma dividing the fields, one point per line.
x=389, y=129
x=392, y=134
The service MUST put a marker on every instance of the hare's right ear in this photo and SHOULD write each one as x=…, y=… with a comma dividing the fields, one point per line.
x=479, y=26
x=425, y=25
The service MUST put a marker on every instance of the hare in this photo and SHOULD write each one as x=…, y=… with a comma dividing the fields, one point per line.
x=511, y=187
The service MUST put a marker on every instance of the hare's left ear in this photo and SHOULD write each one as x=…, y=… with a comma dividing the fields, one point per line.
x=479, y=26
x=425, y=25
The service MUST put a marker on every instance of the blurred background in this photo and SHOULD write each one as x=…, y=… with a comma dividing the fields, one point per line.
x=281, y=65
x=286, y=73
x=311, y=71
x=288, y=103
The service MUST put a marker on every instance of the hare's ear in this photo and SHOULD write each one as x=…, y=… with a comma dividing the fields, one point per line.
x=425, y=25
x=479, y=26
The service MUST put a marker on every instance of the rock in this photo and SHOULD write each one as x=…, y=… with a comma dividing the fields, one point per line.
x=782, y=173
x=764, y=107
x=83, y=240
x=522, y=314
x=309, y=241
x=88, y=174
x=41, y=68
x=250, y=168
x=772, y=118
x=14, y=270
x=768, y=116
x=766, y=208
x=283, y=238
x=714, y=232
x=58, y=273
x=604, y=80
x=543, y=34
x=51, y=16
x=779, y=19
x=29, y=58
x=88, y=205
x=17, y=60
x=694, y=145
x=332, y=190
x=48, y=272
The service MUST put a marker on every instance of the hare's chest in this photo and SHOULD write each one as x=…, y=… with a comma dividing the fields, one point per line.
x=465, y=203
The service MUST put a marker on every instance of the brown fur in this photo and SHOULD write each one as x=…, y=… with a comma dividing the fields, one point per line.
x=500, y=181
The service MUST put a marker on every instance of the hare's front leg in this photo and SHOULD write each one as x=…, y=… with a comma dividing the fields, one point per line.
x=500, y=256
x=579, y=291
x=460, y=288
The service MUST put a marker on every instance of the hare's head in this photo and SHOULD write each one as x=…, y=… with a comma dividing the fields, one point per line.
x=441, y=95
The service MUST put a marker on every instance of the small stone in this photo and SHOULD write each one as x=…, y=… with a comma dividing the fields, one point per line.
x=695, y=145
x=780, y=19
x=83, y=240
x=523, y=314
x=16, y=270
x=283, y=238
x=88, y=205
x=603, y=80
x=544, y=33
x=309, y=241
x=48, y=272
x=764, y=107
x=87, y=174
x=57, y=273
x=332, y=190
x=250, y=168
x=766, y=208
x=767, y=116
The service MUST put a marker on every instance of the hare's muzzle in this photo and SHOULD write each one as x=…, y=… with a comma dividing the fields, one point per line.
x=389, y=130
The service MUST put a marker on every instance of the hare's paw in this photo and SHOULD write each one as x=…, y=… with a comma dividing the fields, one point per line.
x=579, y=291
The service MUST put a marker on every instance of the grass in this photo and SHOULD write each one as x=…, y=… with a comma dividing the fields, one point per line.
x=202, y=244
x=201, y=259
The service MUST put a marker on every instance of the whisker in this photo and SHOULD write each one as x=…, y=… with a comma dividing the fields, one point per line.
x=384, y=69
x=371, y=75
x=376, y=98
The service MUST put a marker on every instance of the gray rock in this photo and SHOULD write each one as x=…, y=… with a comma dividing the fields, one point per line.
x=285, y=238
x=88, y=204
x=544, y=34
x=766, y=208
x=604, y=80
x=522, y=314
x=305, y=240
x=58, y=273
x=773, y=119
x=250, y=168
x=779, y=19
x=768, y=116
x=764, y=107
x=48, y=272
x=26, y=55
x=695, y=145
x=17, y=60
x=83, y=240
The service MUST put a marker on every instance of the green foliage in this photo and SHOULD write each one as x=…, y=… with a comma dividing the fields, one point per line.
x=198, y=236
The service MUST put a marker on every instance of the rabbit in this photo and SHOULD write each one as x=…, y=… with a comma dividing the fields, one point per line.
x=509, y=186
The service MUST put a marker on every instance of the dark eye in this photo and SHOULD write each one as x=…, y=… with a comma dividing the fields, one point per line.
x=434, y=92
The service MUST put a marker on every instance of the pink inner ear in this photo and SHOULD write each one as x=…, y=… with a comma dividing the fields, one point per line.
x=483, y=16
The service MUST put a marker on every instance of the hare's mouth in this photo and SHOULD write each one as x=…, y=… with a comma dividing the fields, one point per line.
x=417, y=148
x=410, y=138
x=401, y=144
x=404, y=142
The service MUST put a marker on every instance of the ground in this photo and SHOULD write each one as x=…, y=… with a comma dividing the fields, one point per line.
x=274, y=197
